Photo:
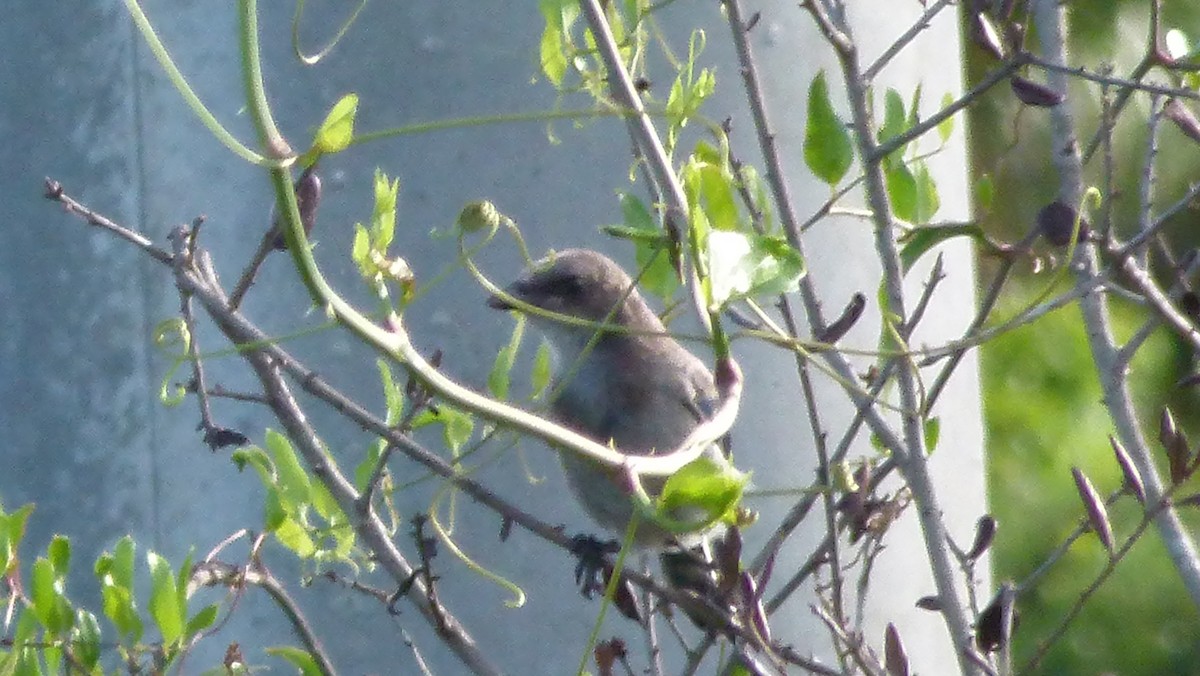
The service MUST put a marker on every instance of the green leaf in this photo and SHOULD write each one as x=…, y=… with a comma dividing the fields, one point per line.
x=164, y=599
x=181, y=585
x=946, y=127
x=553, y=56
x=298, y=658
x=360, y=251
x=59, y=553
x=500, y=375
x=326, y=506
x=337, y=131
x=362, y=472
x=274, y=511
x=119, y=607
x=85, y=640
x=392, y=396
x=651, y=245
x=894, y=122
x=42, y=593
x=918, y=241
x=257, y=458
x=689, y=90
x=902, y=190
x=705, y=486
x=52, y=655
x=715, y=187
x=296, y=538
x=383, y=218
x=932, y=433
x=928, y=202
x=123, y=561
x=12, y=530
x=742, y=265
x=827, y=149
x=457, y=426
x=294, y=484
x=914, y=108
x=202, y=620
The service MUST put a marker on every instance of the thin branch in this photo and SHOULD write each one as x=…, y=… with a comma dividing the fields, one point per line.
x=909, y=35
x=54, y=191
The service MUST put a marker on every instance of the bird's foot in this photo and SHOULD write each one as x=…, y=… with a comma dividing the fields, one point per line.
x=591, y=568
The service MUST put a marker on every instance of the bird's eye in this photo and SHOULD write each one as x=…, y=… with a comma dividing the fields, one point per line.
x=565, y=286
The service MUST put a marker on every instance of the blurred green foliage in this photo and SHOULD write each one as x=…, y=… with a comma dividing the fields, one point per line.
x=1042, y=396
x=1044, y=416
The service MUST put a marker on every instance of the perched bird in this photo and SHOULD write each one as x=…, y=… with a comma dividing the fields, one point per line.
x=636, y=388
x=643, y=393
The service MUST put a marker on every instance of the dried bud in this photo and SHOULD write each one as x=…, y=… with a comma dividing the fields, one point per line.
x=984, y=34
x=985, y=532
x=895, y=657
x=624, y=597
x=1056, y=221
x=1175, y=443
x=308, y=198
x=1033, y=94
x=1133, y=480
x=997, y=621
x=850, y=315
x=933, y=603
x=1096, y=511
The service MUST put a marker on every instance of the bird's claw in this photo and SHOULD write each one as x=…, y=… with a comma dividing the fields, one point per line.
x=591, y=566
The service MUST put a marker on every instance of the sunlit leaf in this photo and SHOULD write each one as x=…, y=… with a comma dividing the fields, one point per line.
x=703, y=486
x=337, y=131
x=202, y=620
x=164, y=599
x=743, y=265
x=291, y=478
x=85, y=640
x=553, y=57
x=59, y=553
x=295, y=537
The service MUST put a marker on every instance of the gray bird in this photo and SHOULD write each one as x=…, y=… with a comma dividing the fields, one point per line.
x=639, y=390
x=644, y=393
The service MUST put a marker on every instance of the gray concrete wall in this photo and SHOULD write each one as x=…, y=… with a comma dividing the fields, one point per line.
x=81, y=100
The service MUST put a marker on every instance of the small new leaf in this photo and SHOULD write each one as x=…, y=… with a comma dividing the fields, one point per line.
x=337, y=131
x=704, y=485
